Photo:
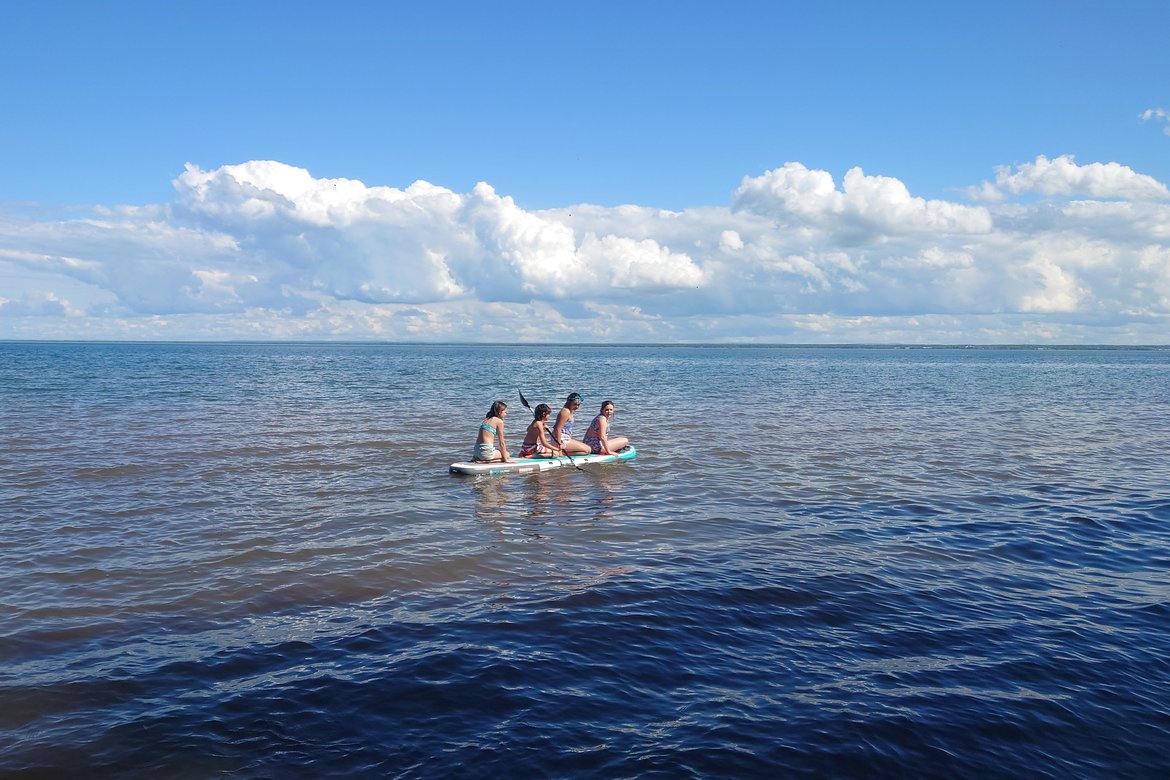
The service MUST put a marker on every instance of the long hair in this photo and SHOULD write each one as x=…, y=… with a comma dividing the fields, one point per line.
x=497, y=407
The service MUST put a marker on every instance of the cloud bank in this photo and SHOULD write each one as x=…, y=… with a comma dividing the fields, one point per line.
x=1050, y=251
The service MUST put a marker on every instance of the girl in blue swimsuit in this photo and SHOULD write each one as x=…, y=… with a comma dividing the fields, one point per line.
x=491, y=431
x=563, y=430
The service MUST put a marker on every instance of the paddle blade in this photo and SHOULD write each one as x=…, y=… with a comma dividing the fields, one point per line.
x=524, y=400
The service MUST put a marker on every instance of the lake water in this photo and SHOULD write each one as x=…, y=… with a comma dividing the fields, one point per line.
x=250, y=560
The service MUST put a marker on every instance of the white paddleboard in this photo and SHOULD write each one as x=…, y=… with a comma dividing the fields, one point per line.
x=530, y=465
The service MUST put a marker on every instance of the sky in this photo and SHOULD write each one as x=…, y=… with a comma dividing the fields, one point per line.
x=739, y=172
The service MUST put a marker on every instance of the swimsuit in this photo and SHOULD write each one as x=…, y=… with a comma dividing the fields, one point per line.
x=485, y=450
x=592, y=436
x=529, y=449
x=534, y=449
x=566, y=431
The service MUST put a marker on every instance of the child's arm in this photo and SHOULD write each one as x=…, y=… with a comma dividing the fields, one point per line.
x=541, y=430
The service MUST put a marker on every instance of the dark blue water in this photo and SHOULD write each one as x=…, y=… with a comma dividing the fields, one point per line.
x=250, y=560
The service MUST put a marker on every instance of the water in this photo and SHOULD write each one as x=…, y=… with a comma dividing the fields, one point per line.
x=249, y=560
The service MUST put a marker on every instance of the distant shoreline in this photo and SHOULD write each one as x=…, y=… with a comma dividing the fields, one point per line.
x=605, y=345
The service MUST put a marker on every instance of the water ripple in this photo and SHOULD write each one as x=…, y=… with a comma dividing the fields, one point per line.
x=249, y=560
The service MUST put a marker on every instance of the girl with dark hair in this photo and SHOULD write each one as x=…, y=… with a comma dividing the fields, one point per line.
x=491, y=432
x=563, y=430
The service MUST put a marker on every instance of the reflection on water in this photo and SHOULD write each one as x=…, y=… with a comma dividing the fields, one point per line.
x=590, y=492
x=491, y=496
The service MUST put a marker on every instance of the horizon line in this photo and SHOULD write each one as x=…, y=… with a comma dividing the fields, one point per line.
x=709, y=344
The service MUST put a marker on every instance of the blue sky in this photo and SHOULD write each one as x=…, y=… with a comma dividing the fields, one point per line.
x=971, y=126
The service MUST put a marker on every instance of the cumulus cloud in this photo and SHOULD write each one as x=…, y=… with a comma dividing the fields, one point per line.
x=267, y=250
x=424, y=243
x=864, y=208
x=1063, y=177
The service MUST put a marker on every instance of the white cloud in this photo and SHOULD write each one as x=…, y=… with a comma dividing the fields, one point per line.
x=421, y=244
x=984, y=191
x=868, y=205
x=265, y=250
x=1063, y=177
x=629, y=264
x=1056, y=291
x=1158, y=115
x=730, y=241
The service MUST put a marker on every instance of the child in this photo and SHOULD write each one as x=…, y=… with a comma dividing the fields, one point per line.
x=598, y=438
x=536, y=442
x=489, y=443
x=563, y=431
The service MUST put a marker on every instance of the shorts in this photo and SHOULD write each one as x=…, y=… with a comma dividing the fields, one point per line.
x=536, y=450
x=485, y=451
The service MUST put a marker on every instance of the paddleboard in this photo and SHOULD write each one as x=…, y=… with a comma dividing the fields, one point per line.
x=530, y=465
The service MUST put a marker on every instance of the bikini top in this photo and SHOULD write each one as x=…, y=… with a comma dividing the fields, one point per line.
x=485, y=427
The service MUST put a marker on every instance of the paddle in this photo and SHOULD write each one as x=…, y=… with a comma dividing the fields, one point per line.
x=524, y=401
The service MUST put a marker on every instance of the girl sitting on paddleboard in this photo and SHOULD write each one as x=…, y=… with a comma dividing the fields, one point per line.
x=491, y=430
x=597, y=437
x=536, y=442
x=563, y=430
